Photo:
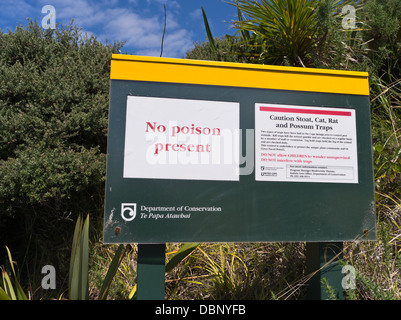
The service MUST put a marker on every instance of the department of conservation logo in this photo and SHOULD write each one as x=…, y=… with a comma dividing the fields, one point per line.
x=128, y=211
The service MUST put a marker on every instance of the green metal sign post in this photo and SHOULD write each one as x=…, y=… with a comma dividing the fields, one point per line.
x=150, y=270
x=204, y=151
x=322, y=260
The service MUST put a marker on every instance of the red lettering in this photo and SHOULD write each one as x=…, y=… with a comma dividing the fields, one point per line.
x=148, y=124
x=175, y=130
x=216, y=131
x=158, y=147
x=182, y=147
x=159, y=128
x=185, y=130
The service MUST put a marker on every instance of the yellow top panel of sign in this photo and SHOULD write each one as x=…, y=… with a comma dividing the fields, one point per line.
x=172, y=70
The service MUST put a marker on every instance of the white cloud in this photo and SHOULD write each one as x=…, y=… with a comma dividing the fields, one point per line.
x=137, y=31
x=177, y=43
x=84, y=13
x=143, y=34
x=138, y=22
x=15, y=11
x=196, y=14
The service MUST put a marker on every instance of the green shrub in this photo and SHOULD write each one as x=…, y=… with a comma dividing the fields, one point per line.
x=54, y=92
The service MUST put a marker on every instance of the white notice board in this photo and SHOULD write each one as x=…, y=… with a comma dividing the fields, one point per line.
x=185, y=139
x=305, y=144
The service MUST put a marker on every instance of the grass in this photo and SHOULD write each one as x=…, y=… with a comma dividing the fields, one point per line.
x=125, y=277
x=215, y=271
x=378, y=264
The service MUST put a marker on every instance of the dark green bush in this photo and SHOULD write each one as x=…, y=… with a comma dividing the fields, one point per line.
x=54, y=88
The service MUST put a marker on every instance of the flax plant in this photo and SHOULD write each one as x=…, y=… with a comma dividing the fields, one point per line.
x=287, y=29
x=12, y=290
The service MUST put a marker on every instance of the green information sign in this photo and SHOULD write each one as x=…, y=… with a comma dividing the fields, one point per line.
x=223, y=152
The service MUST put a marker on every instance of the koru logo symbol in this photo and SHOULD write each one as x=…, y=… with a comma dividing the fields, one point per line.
x=128, y=211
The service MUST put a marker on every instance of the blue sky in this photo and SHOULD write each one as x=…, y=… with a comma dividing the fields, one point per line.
x=138, y=22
